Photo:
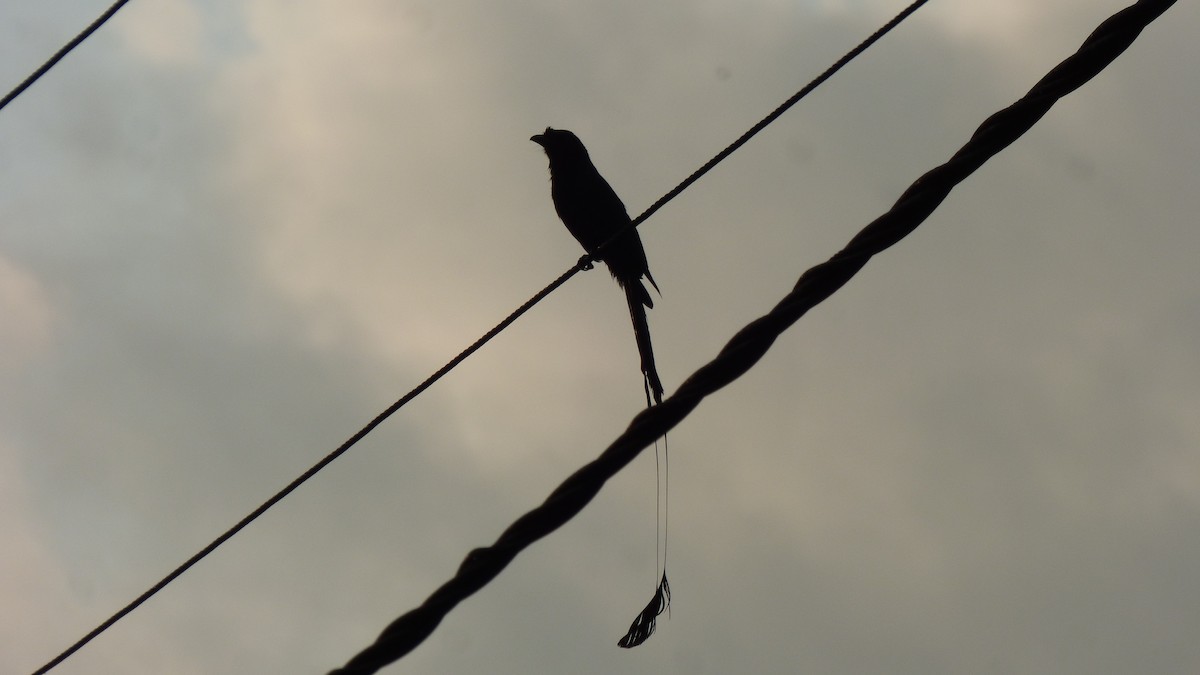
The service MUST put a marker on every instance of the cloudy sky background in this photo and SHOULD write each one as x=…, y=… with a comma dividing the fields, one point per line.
x=233, y=232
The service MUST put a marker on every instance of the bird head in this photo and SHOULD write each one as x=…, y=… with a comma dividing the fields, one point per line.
x=560, y=144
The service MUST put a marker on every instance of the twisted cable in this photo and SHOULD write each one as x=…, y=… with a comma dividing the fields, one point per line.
x=752, y=342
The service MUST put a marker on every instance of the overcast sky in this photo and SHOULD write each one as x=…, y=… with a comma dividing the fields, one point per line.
x=231, y=233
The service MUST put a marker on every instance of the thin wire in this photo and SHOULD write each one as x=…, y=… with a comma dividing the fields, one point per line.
x=416, y=391
x=584, y=263
x=762, y=124
x=58, y=56
x=753, y=341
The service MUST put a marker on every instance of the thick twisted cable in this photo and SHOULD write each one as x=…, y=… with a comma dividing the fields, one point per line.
x=753, y=341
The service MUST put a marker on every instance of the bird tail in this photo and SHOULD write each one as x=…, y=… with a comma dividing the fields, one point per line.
x=639, y=299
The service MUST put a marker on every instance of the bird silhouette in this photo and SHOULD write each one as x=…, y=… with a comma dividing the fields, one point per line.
x=593, y=214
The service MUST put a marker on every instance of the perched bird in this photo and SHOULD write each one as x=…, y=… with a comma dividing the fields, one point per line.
x=593, y=213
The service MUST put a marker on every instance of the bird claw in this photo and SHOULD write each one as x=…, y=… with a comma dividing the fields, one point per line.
x=586, y=262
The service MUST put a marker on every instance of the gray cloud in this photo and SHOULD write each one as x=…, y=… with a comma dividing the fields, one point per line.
x=244, y=243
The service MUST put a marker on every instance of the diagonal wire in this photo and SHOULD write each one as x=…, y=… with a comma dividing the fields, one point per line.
x=58, y=56
x=752, y=342
x=584, y=263
x=762, y=124
x=325, y=461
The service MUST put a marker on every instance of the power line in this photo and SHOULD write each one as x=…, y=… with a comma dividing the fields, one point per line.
x=325, y=461
x=584, y=263
x=58, y=56
x=777, y=112
x=753, y=341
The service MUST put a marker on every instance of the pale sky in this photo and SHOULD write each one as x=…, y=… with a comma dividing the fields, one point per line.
x=231, y=233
